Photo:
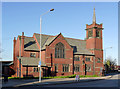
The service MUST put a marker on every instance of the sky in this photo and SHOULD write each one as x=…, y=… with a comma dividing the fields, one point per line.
x=69, y=18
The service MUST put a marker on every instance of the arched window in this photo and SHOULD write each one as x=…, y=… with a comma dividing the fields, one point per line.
x=59, y=50
x=97, y=33
x=90, y=33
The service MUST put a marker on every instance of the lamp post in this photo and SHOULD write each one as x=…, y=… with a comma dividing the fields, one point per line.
x=40, y=40
x=105, y=57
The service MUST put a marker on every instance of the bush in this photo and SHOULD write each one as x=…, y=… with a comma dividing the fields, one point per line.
x=89, y=76
x=13, y=77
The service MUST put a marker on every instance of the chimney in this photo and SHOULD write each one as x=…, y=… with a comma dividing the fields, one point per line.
x=22, y=44
x=14, y=43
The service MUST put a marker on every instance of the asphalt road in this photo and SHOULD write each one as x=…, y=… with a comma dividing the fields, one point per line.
x=111, y=82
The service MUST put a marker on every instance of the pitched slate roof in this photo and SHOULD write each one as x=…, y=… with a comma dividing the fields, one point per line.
x=49, y=40
x=79, y=46
x=44, y=38
x=26, y=61
x=30, y=44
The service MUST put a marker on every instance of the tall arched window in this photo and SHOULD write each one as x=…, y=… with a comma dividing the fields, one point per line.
x=97, y=33
x=59, y=50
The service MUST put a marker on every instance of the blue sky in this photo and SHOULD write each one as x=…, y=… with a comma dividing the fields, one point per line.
x=68, y=18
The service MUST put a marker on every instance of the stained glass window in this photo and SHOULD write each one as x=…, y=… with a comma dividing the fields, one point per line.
x=59, y=50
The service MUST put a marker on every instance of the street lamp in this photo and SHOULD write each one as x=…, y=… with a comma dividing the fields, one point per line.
x=40, y=41
x=105, y=57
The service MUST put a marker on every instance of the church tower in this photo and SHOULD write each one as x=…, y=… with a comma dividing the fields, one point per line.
x=94, y=42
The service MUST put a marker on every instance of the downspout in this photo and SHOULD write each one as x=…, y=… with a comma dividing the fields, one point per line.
x=20, y=58
x=94, y=65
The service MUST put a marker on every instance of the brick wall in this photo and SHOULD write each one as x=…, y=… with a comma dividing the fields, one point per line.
x=94, y=44
x=50, y=51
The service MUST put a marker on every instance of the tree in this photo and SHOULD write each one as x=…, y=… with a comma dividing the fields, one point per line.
x=110, y=64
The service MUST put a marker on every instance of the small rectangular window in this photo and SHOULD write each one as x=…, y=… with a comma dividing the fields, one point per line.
x=87, y=59
x=98, y=60
x=32, y=55
x=36, y=69
x=56, y=67
x=88, y=67
x=65, y=67
x=77, y=68
x=76, y=59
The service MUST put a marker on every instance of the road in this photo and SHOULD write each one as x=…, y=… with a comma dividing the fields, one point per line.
x=112, y=82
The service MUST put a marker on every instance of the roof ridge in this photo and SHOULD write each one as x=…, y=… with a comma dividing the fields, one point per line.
x=42, y=34
x=25, y=36
x=45, y=42
x=56, y=35
x=29, y=37
x=74, y=39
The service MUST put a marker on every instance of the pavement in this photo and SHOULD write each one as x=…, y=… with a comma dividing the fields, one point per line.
x=35, y=82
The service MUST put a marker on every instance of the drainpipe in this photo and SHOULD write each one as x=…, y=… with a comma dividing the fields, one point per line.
x=21, y=52
x=94, y=65
x=20, y=58
x=14, y=43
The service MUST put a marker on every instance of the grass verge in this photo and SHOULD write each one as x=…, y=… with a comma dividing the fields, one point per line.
x=50, y=77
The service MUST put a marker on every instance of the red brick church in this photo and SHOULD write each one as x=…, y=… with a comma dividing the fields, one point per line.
x=61, y=56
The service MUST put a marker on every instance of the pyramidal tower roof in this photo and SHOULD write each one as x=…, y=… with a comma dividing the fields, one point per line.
x=94, y=17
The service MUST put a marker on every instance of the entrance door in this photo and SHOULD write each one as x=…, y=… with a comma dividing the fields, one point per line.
x=44, y=72
x=49, y=71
